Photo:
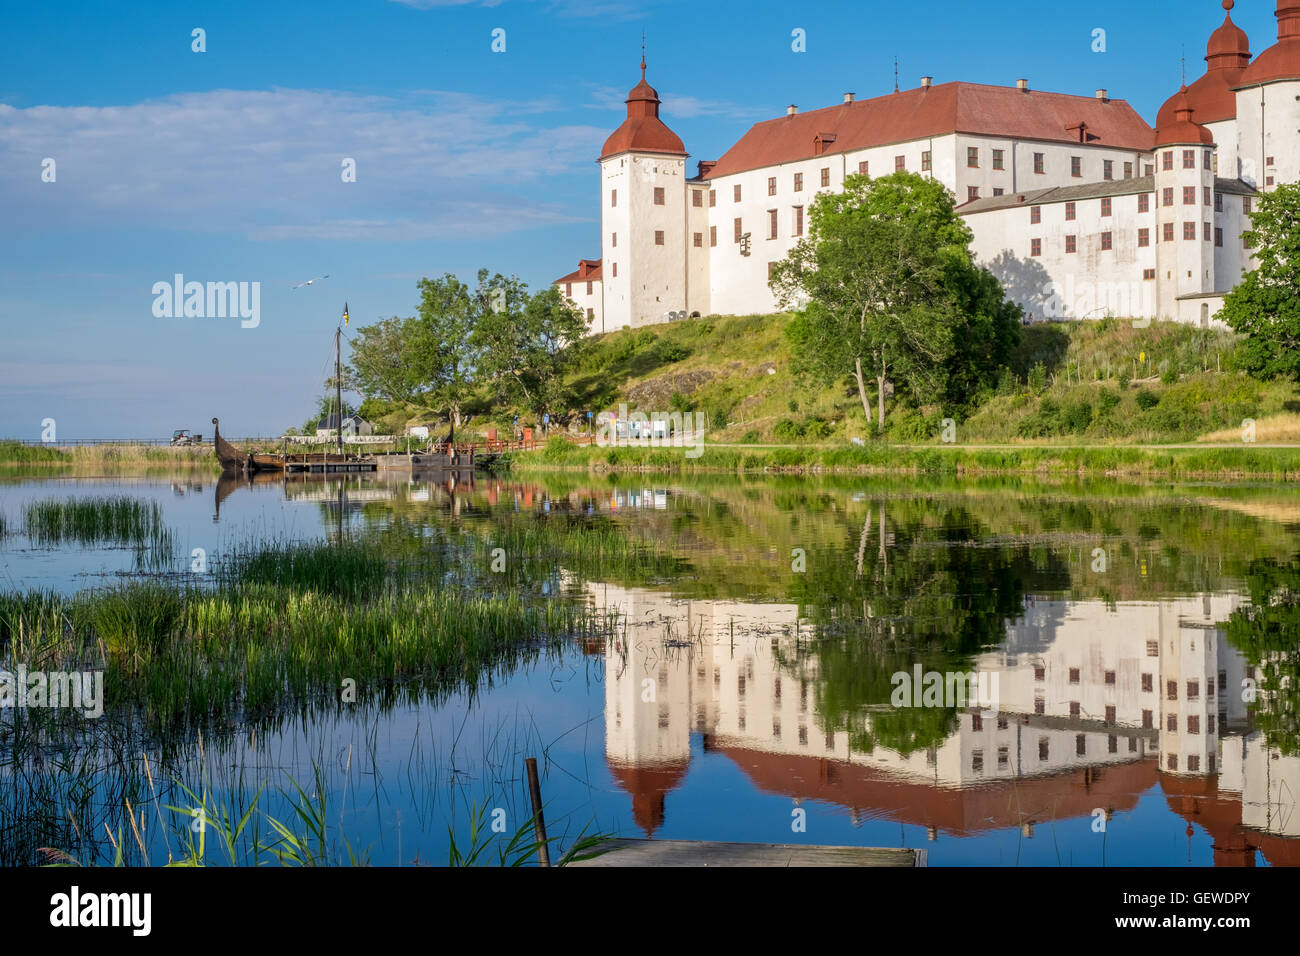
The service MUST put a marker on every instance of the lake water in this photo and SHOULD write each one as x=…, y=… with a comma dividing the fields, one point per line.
x=1130, y=643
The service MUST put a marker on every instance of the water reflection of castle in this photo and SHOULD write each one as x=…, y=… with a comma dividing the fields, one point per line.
x=1097, y=704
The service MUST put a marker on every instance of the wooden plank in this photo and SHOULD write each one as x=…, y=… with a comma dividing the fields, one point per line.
x=703, y=853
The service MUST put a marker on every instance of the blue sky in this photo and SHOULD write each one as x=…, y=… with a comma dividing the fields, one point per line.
x=225, y=165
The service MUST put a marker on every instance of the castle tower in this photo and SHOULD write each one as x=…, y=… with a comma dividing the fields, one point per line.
x=1184, y=197
x=1214, y=96
x=643, y=196
x=1268, y=107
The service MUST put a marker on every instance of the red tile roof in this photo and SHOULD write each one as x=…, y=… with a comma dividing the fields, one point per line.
x=643, y=130
x=1184, y=128
x=1212, y=96
x=937, y=111
x=1282, y=60
x=588, y=271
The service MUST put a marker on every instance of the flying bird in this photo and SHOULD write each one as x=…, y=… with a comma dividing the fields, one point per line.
x=310, y=281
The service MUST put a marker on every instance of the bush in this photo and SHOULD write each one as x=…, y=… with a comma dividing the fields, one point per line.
x=816, y=429
x=1170, y=376
x=1147, y=399
x=1038, y=377
x=1076, y=417
x=749, y=438
x=1106, y=400
x=786, y=430
x=668, y=352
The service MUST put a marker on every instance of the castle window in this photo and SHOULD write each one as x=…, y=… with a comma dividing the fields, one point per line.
x=1040, y=673
x=999, y=159
x=1189, y=231
x=1245, y=205
x=771, y=224
x=1193, y=689
x=615, y=268
x=998, y=191
x=1205, y=232
x=713, y=198
x=568, y=289
x=926, y=161
x=659, y=195
x=798, y=221
x=1144, y=238
x=1040, y=705
x=826, y=175
x=697, y=198
x=1128, y=170
x=1209, y=724
x=1167, y=160
x=1147, y=683
x=735, y=193
x=1148, y=169
x=1035, y=215
x=1106, y=206
x=1269, y=161
x=1193, y=724
x=1076, y=166
x=1167, y=196
x=1209, y=159
x=1208, y=194
x=1107, y=243
x=591, y=314
x=1189, y=195
x=863, y=167
x=1110, y=718
x=1171, y=690
x=798, y=182
x=973, y=157
x=588, y=287
x=1035, y=247
x=1074, y=675
x=972, y=193
x=771, y=185
x=771, y=271
x=1144, y=202
x=1148, y=718
x=613, y=240
x=1108, y=169
x=1148, y=273
x=1040, y=163
x=1189, y=159
x=713, y=235
x=1109, y=678
x=977, y=761
x=613, y=197
x=736, y=225
x=1044, y=745
x=1071, y=244
x=1218, y=238
x=659, y=237
x=1070, y=212
x=1171, y=723
x=1171, y=761
x=1268, y=180
x=1080, y=745
x=900, y=163
x=1218, y=202
x=1169, y=232
x=698, y=240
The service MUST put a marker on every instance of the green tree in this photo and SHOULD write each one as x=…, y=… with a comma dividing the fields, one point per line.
x=1265, y=307
x=527, y=343
x=890, y=286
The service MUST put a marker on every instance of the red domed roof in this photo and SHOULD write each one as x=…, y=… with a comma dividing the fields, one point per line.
x=1212, y=96
x=1183, y=129
x=643, y=131
x=648, y=784
x=1282, y=60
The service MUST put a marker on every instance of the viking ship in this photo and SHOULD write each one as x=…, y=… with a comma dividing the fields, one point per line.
x=234, y=460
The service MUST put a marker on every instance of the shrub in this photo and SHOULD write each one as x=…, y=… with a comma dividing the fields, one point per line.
x=816, y=429
x=1170, y=376
x=1038, y=377
x=668, y=352
x=1147, y=399
x=749, y=438
x=787, y=430
x=1106, y=400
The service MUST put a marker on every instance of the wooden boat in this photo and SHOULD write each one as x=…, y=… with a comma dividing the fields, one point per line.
x=234, y=460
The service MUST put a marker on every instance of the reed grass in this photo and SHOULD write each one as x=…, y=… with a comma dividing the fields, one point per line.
x=120, y=520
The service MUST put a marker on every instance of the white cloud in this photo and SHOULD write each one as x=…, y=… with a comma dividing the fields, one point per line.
x=267, y=164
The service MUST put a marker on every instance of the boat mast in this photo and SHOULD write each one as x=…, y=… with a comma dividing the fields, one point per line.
x=338, y=382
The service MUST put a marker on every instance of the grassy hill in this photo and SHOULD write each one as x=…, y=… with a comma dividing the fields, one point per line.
x=1102, y=382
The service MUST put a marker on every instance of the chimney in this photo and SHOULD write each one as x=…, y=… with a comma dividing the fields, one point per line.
x=791, y=110
x=706, y=167
x=848, y=97
x=1101, y=95
x=927, y=82
x=1022, y=86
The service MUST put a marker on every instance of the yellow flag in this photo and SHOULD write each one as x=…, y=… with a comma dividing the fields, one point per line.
x=345, y=313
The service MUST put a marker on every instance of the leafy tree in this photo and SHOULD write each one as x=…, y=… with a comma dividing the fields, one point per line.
x=891, y=291
x=527, y=343
x=1266, y=305
x=1265, y=632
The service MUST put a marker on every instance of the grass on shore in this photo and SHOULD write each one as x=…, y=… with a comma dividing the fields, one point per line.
x=1221, y=463
x=123, y=457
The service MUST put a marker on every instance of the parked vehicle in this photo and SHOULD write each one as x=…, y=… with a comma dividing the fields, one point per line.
x=182, y=437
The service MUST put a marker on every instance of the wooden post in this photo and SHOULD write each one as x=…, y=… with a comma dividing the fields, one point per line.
x=539, y=822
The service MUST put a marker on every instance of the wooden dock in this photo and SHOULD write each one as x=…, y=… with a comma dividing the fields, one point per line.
x=703, y=853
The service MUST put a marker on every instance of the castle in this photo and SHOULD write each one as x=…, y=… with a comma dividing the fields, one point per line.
x=1076, y=204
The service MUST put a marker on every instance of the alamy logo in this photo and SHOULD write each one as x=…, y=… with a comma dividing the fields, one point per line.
x=74, y=909
x=653, y=430
x=213, y=300
x=957, y=689
x=79, y=690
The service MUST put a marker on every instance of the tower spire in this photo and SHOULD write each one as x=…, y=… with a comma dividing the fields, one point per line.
x=895, y=74
x=642, y=56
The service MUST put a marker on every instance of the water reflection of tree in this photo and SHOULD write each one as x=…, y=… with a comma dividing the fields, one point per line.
x=1267, y=632
x=915, y=587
